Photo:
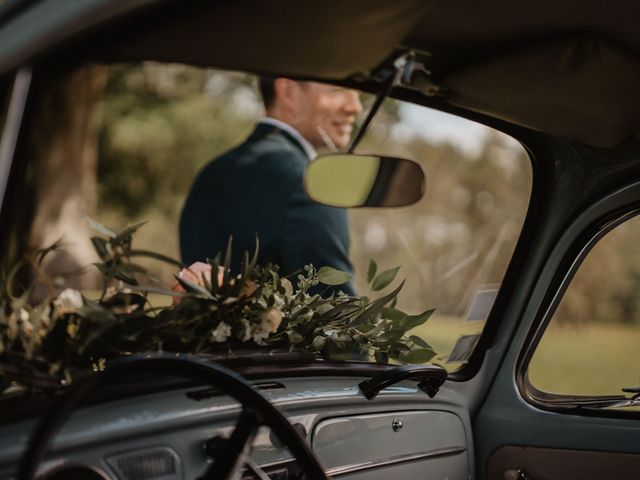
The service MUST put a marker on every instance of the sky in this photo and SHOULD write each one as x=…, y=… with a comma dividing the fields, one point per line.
x=440, y=127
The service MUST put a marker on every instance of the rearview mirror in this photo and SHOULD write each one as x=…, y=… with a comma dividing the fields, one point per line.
x=347, y=180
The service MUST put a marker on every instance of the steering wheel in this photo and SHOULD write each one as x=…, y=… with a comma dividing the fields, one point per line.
x=228, y=458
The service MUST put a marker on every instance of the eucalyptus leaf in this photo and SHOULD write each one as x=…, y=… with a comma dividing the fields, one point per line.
x=128, y=231
x=226, y=279
x=412, y=321
x=375, y=307
x=126, y=278
x=381, y=358
x=193, y=288
x=419, y=341
x=384, y=279
x=254, y=259
x=158, y=290
x=332, y=276
x=100, y=246
x=420, y=355
x=215, y=264
x=393, y=314
x=371, y=272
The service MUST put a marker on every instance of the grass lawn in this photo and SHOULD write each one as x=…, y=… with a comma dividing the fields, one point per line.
x=591, y=359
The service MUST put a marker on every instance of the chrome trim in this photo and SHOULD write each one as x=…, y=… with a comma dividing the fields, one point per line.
x=17, y=103
x=395, y=460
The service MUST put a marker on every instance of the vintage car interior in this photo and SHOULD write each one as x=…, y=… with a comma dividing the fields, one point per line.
x=557, y=88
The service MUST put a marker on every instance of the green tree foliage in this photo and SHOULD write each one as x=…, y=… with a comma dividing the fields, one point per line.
x=161, y=124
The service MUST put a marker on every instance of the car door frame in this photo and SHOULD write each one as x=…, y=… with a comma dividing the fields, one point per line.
x=595, y=189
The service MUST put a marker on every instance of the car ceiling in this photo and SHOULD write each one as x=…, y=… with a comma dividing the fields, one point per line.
x=570, y=69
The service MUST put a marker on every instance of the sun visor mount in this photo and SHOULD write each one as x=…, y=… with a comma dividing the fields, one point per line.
x=585, y=89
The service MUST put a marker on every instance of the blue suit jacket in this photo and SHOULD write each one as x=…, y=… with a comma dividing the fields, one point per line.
x=257, y=188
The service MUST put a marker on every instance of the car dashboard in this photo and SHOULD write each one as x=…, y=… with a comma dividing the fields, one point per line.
x=169, y=435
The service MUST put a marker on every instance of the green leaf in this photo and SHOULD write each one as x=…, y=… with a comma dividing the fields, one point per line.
x=381, y=358
x=419, y=341
x=384, y=279
x=226, y=275
x=388, y=337
x=100, y=246
x=193, y=288
x=254, y=259
x=130, y=230
x=400, y=347
x=215, y=264
x=158, y=290
x=294, y=337
x=343, y=310
x=393, y=314
x=371, y=272
x=376, y=307
x=128, y=279
x=420, y=355
x=412, y=321
x=332, y=276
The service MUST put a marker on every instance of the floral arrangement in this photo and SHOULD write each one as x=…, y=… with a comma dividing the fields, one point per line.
x=46, y=342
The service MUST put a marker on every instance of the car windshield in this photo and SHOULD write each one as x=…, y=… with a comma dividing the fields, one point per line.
x=112, y=146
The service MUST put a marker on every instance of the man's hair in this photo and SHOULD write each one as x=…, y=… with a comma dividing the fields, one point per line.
x=267, y=90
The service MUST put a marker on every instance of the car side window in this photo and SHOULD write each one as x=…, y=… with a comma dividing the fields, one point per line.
x=590, y=346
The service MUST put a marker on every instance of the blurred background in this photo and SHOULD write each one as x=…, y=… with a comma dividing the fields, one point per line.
x=152, y=127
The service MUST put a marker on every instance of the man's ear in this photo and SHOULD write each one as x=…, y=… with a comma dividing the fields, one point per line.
x=286, y=93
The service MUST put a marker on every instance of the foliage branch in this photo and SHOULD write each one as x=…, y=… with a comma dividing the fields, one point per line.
x=44, y=343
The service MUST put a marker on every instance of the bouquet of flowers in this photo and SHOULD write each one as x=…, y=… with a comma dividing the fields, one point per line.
x=66, y=334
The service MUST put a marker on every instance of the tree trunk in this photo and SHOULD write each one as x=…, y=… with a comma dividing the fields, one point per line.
x=64, y=148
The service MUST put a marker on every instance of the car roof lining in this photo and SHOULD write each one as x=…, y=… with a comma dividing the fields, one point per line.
x=568, y=70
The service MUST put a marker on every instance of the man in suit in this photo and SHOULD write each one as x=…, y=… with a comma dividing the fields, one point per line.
x=257, y=187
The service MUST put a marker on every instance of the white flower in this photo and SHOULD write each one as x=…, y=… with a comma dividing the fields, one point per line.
x=259, y=334
x=278, y=300
x=221, y=333
x=68, y=301
x=288, y=287
x=270, y=320
x=246, y=329
x=27, y=326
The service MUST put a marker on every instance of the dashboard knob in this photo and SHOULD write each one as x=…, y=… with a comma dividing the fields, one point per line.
x=396, y=425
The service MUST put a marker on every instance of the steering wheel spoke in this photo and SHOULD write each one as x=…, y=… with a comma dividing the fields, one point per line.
x=236, y=450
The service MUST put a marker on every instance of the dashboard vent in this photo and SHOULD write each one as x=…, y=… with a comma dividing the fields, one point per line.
x=150, y=464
